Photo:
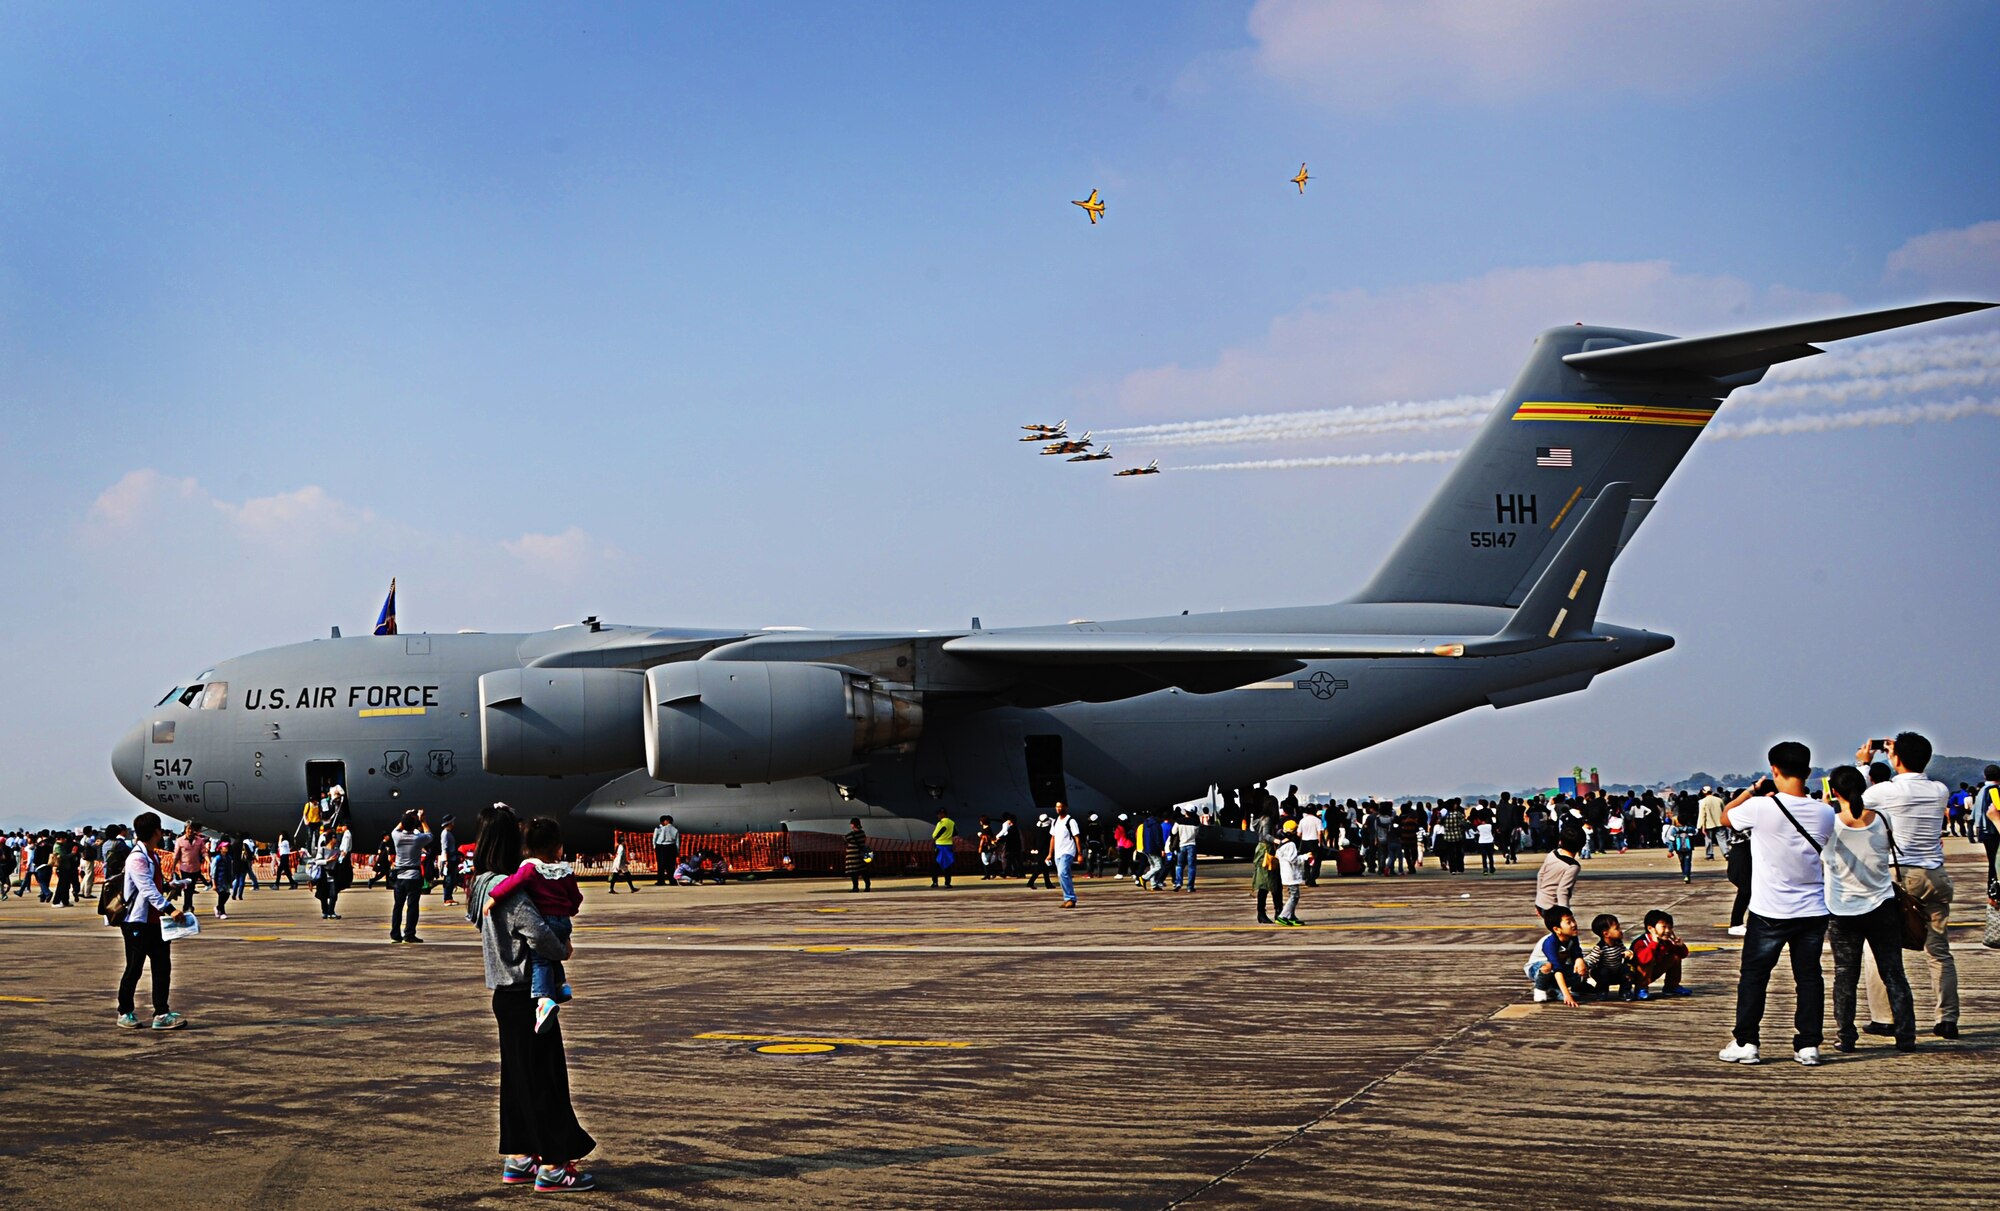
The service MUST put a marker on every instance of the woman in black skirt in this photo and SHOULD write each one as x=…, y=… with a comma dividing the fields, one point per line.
x=856, y=857
x=539, y=1134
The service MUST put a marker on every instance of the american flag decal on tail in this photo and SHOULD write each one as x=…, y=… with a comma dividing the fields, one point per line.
x=1554, y=456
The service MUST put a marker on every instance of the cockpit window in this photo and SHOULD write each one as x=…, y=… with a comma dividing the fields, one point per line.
x=167, y=697
x=214, y=696
x=189, y=694
x=163, y=731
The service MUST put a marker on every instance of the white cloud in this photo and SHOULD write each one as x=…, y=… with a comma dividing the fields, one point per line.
x=1963, y=259
x=136, y=493
x=568, y=550
x=152, y=500
x=1375, y=52
x=1440, y=339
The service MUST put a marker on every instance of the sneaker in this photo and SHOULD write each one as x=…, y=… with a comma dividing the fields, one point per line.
x=395, y=941
x=1809, y=1056
x=1541, y=996
x=1737, y=931
x=564, y=996
x=1680, y=990
x=129, y=1021
x=169, y=1021
x=221, y=916
x=1640, y=994
x=545, y=1008
x=562, y=1178
x=515, y=1173
x=1739, y=1053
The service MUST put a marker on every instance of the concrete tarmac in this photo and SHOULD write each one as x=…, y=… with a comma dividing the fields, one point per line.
x=789, y=1043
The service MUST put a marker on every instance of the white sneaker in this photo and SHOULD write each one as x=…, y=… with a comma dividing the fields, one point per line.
x=1745, y=1053
x=1809, y=1056
x=1737, y=931
x=1541, y=995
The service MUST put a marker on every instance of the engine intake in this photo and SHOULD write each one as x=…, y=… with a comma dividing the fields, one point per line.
x=730, y=721
x=561, y=721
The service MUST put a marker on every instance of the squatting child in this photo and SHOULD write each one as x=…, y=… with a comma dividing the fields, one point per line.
x=1607, y=965
x=1559, y=959
x=551, y=885
x=1658, y=954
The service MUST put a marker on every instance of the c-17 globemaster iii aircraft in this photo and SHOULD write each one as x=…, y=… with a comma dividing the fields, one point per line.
x=1490, y=599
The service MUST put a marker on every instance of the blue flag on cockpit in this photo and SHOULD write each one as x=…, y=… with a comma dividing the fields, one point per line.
x=386, y=623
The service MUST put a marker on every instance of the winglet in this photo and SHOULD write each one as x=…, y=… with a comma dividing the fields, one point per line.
x=1563, y=603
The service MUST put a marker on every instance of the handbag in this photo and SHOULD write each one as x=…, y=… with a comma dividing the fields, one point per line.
x=1915, y=921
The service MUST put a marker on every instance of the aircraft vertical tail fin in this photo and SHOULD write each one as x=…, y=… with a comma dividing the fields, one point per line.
x=1592, y=408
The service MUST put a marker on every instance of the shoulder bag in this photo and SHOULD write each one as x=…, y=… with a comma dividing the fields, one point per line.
x=1915, y=921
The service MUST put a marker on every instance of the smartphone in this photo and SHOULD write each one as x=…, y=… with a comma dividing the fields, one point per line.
x=1880, y=746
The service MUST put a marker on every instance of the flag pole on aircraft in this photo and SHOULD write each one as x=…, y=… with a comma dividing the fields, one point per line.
x=385, y=623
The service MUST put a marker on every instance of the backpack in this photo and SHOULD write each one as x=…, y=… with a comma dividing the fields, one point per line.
x=111, y=897
x=1986, y=797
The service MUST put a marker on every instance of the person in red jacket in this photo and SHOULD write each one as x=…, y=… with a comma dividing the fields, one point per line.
x=1658, y=954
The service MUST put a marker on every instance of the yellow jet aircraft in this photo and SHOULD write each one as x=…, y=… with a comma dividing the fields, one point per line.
x=1092, y=207
x=1302, y=178
x=1098, y=457
x=1151, y=468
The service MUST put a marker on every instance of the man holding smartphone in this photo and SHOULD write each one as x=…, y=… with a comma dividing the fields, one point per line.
x=1915, y=808
x=1787, y=829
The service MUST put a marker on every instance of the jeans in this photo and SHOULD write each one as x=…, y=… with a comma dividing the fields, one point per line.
x=403, y=915
x=1687, y=862
x=545, y=976
x=144, y=944
x=1290, y=912
x=1932, y=888
x=1185, y=874
x=1065, y=872
x=1882, y=931
x=1486, y=857
x=1764, y=938
x=1718, y=836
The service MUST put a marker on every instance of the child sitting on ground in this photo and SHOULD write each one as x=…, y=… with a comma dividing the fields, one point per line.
x=1659, y=953
x=1558, y=960
x=551, y=885
x=1607, y=964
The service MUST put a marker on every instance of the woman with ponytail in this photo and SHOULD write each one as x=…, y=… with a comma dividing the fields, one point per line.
x=1860, y=893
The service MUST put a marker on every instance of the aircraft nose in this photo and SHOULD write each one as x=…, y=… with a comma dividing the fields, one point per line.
x=128, y=759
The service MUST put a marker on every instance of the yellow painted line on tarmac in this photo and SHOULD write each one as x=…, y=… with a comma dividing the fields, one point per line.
x=794, y=1049
x=897, y=929
x=1365, y=928
x=825, y=950
x=24, y=1000
x=1388, y=905
x=260, y=937
x=718, y=1036
x=829, y=910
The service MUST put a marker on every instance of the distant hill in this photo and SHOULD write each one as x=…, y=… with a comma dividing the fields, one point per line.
x=1949, y=770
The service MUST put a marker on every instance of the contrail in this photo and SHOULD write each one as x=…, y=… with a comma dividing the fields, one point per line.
x=1897, y=368
x=1773, y=426
x=1865, y=418
x=1394, y=459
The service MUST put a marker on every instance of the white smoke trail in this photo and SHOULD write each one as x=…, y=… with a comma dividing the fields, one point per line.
x=1770, y=426
x=1910, y=355
x=1394, y=459
x=1842, y=376
x=1866, y=418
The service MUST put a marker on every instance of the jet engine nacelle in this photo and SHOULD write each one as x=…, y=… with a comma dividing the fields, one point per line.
x=561, y=721
x=730, y=721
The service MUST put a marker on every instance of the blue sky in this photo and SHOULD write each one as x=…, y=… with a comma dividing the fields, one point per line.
x=723, y=316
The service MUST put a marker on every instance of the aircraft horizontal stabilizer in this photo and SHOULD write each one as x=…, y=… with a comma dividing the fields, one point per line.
x=1737, y=352
x=1563, y=603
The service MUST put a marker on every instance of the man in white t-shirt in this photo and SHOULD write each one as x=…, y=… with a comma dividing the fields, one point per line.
x=1915, y=806
x=1787, y=901
x=1065, y=840
x=1311, y=828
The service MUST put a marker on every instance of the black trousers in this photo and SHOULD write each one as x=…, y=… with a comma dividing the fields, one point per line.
x=664, y=861
x=536, y=1118
x=143, y=943
x=1805, y=937
x=403, y=910
x=1742, y=904
x=1882, y=932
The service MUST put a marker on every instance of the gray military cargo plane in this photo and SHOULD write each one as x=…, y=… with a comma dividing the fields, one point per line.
x=1490, y=599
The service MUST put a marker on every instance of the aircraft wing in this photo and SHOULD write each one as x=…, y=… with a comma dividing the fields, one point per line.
x=1736, y=352
x=1110, y=647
